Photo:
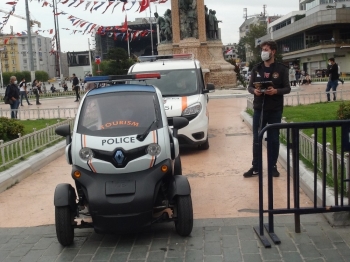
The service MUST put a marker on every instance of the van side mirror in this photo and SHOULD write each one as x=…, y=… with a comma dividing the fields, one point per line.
x=210, y=88
x=178, y=123
x=64, y=131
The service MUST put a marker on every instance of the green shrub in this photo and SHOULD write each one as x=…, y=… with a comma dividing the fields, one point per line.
x=9, y=128
x=343, y=111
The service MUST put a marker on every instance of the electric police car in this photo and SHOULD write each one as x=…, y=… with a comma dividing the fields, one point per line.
x=125, y=163
x=184, y=93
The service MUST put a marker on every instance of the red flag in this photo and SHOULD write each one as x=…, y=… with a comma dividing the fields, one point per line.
x=65, y=2
x=93, y=26
x=81, y=1
x=51, y=31
x=77, y=22
x=45, y=4
x=11, y=3
x=144, y=5
x=19, y=34
x=6, y=41
x=95, y=2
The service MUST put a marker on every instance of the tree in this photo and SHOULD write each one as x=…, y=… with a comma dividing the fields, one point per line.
x=117, y=62
x=255, y=31
x=241, y=49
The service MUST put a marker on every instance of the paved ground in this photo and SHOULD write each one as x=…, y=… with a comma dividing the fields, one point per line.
x=225, y=208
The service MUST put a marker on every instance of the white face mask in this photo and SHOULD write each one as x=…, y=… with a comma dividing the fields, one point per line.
x=265, y=55
x=330, y=63
x=15, y=82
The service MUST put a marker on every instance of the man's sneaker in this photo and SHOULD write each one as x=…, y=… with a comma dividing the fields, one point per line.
x=251, y=172
x=275, y=172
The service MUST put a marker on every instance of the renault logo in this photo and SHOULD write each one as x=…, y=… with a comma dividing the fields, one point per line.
x=119, y=157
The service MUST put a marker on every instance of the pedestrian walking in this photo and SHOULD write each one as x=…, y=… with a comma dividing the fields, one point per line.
x=23, y=91
x=333, y=74
x=268, y=105
x=12, y=92
x=292, y=79
x=76, y=87
x=35, y=89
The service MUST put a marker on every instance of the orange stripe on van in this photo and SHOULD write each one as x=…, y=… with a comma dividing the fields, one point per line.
x=184, y=103
x=91, y=166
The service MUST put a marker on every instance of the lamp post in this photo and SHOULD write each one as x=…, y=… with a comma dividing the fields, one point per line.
x=2, y=80
x=30, y=47
x=90, y=57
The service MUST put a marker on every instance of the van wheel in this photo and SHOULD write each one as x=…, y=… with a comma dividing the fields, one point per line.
x=177, y=166
x=64, y=225
x=184, y=221
x=205, y=145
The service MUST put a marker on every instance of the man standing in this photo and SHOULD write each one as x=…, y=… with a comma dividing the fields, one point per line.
x=333, y=74
x=268, y=104
x=76, y=87
x=23, y=91
x=12, y=92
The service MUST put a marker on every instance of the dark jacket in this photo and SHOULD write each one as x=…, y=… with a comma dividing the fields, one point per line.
x=332, y=71
x=75, y=81
x=12, y=91
x=280, y=79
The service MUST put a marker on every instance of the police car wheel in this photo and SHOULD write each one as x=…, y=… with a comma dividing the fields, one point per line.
x=205, y=145
x=64, y=225
x=177, y=166
x=184, y=221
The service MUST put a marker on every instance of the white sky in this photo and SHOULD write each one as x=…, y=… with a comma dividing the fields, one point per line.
x=229, y=11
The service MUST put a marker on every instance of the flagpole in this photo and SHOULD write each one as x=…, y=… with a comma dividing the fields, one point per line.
x=150, y=21
x=127, y=33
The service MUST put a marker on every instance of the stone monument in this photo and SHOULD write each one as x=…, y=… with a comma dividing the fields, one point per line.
x=194, y=30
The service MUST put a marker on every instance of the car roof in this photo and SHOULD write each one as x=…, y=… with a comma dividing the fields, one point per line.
x=165, y=64
x=122, y=88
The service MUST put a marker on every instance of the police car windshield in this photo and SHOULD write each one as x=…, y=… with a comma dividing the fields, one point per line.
x=119, y=114
x=174, y=82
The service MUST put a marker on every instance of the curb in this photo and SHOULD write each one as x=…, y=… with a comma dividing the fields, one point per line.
x=18, y=172
x=307, y=182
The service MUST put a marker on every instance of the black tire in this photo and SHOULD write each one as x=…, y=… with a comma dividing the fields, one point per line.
x=205, y=145
x=177, y=166
x=64, y=225
x=184, y=219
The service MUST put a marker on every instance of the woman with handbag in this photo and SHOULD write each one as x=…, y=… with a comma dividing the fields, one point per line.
x=12, y=96
x=35, y=89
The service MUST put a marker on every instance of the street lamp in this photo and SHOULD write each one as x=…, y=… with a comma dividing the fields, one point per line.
x=2, y=80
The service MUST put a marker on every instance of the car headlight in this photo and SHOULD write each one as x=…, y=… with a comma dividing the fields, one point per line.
x=86, y=153
x=192, y=109
x=153, y=149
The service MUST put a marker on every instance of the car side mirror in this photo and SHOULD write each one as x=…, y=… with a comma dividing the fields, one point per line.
x=210, y=88
x=178, y=123
x=64, y=131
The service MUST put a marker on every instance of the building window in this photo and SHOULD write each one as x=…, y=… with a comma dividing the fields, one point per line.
x=25, y=61
x=24, y=54
x=23, y=47
x=13, y=62
x=23, y=40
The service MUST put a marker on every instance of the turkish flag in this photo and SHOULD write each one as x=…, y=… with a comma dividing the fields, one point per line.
x=144, y=5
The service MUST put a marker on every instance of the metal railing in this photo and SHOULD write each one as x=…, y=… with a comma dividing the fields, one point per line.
x=293, y=205
x=48, y=94
x=23, y=146
x=40, y=113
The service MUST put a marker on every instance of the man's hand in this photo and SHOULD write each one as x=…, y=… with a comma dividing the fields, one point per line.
x=257, y=91
x=271, y=91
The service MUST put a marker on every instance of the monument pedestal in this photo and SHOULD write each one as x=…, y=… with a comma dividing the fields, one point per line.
x=215, y=69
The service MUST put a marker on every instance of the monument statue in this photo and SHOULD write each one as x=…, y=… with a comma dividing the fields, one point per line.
x=161, y=23
x=167, y=29
x=188, y=18
x=206, y=21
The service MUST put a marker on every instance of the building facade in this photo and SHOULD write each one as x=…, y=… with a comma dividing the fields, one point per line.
x=15, y=55
x=309, y=37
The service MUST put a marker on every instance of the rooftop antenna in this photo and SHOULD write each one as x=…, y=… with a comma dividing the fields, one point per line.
x=264, y=7
x=245, y=15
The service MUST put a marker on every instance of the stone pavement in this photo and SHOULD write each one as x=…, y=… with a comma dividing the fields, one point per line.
x=230, y=239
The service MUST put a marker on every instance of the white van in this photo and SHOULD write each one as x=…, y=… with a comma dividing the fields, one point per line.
x=184, y=93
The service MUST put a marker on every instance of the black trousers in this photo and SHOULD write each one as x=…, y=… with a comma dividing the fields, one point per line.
x=77, y=89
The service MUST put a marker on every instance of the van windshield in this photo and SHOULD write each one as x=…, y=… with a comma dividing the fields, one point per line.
x=119, y=114
x=182, y=82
